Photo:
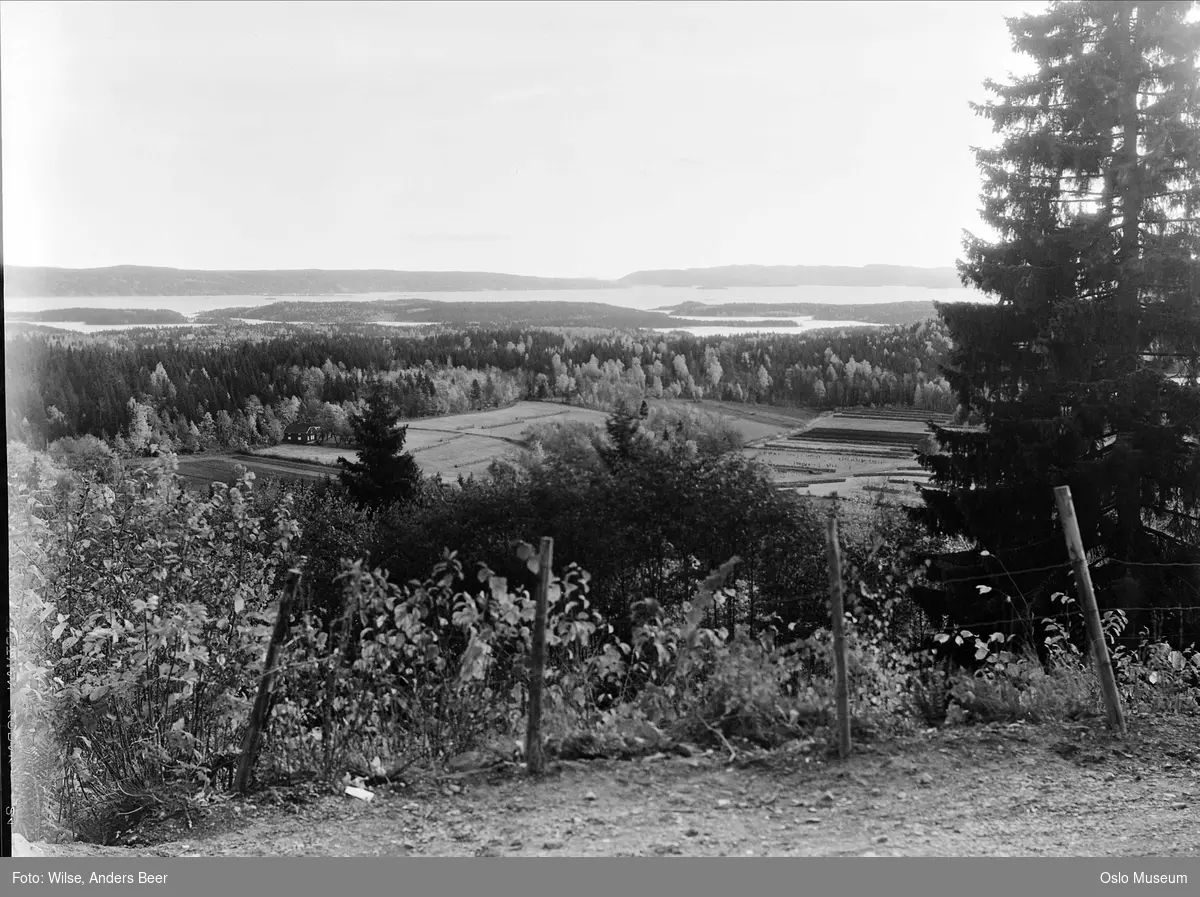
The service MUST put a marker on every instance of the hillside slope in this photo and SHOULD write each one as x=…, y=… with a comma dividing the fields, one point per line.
x=139, y=280
x=143, y=280
x=798, y=275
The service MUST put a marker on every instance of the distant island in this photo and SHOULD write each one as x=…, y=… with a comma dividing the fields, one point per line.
x=550, y=313
x=111, y=317
x=872, y=313
x=140, y=280
x=517, y=313
x=462, y=314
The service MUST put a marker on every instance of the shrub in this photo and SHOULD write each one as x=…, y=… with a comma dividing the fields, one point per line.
x=88, y=456
x=1060, y=682
x=1155, y=678
x=930, y=694
x=157, y=606
x=35, y=760
x=435, y=672
x=1025, y=690
x=140, y=613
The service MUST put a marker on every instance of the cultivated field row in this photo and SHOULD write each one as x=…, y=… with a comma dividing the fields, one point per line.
x=860, y=454
x=446, y=447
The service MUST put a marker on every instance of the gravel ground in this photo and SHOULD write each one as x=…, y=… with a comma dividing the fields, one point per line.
x=988, y=790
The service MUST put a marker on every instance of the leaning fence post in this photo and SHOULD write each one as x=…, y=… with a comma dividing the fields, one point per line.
x=1083, y=581
x=534, y=759
x=838, y=620
x=258, y=717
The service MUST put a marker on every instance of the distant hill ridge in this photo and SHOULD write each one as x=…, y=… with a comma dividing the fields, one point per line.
x=799, y=275
x=140, y=280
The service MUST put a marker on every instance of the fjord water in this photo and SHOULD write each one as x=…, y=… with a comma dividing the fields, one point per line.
x=643, y=298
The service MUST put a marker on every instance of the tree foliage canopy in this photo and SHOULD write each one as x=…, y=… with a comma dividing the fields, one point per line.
x=1084, y=371
x=384, y=473
x=649, y=518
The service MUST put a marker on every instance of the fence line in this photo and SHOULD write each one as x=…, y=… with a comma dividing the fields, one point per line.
x=1069, y=614
x=1061, y=566
x=1158, y=563
x=1003, y=573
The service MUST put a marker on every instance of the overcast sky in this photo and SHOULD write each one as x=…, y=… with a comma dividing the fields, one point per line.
x=550, y=138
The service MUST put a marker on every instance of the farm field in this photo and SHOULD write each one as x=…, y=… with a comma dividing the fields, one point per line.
x=198, y=471
x=864, y=455
x=466, y=444
x=852, y=423
x=509, y=423
x=328, y=454
x=759, y=422
x=447, y=447
x=463, y=455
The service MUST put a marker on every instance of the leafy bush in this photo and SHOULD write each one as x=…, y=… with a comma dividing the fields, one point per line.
x=139, y=615
x=435, y=672
x=930, y=694
x=35, y=760
x=743, y=689
x=153, y=607
x=1156, y=678
x=1060, y=684
x=1025, y=690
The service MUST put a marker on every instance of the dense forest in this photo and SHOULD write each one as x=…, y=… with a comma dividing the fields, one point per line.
x=193, y=389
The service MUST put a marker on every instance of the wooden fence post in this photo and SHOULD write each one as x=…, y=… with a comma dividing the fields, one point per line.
x=1083, y=581
x=838, y=620
x=258, y=717
x=534, y=759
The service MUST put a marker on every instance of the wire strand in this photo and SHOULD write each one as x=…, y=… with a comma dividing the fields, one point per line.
x=1065, y=615
x=1060, y=566
x=1002, y=574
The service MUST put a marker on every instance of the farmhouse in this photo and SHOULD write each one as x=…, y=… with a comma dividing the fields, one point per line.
x=305, y=434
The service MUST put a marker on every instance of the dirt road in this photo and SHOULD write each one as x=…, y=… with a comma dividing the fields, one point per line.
x=1052, y=790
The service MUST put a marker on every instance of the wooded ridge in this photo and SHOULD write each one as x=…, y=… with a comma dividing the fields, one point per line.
x=143, y=280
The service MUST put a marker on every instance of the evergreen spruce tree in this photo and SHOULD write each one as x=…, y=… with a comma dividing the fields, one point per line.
x=623, y=427
x=1084, y=371
x=384, y=473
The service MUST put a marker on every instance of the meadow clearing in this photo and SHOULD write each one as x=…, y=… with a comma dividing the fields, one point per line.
x=454, y=445
x=198, y=471
x=862, y=454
